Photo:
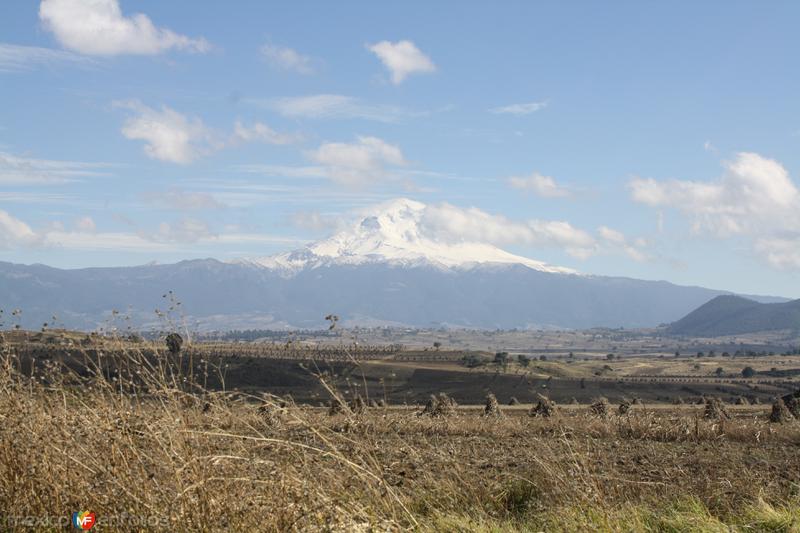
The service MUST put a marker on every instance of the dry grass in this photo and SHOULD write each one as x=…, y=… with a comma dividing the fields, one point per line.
x=136, y=434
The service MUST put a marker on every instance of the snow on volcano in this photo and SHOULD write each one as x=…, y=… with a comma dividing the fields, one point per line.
x=394, y=233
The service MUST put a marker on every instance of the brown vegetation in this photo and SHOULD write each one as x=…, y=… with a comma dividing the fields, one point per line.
x=137, y=436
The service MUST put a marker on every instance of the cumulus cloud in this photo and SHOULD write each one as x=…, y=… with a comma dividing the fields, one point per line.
x=543, y=186
x=98, y=27
x=15, y=58
x=287, y=58
x=174, y=137
x=519, y=109
x=755, y=198
x=449, y=222
x=14, y=232
x=358, y=163
x=402, y=59
x=168, y=135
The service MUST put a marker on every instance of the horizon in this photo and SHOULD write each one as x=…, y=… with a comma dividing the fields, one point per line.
x=346, y=230
x=659, y=146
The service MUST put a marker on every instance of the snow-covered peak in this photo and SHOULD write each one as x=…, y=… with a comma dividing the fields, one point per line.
x=394, y=232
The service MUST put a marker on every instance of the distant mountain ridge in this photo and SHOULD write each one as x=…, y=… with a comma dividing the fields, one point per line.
x=384, y=269
x=735, y=315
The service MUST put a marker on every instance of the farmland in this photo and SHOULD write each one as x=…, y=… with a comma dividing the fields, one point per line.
x=680, y=371
x=120, y=426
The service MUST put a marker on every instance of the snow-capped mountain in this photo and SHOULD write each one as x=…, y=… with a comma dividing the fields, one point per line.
x=389, y=267
x=394, y=233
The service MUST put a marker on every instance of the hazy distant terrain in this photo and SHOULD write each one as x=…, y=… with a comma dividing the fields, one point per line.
x=384, y=270
x=224, y=296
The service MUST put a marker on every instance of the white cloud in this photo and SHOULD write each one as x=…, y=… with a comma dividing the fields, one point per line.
x=166, y=239
x=754, y=194
x=519, y=109
x=17, y=170
x=402, y=59
x=85, y=224
x=611, y=235
x=358, y=163
x=261, y=132
x=186, y=230
x=15, y=58
x=287, y=58
x=780, y=252
x=36, y=197
x=616, y=240
x=106, y=241
x=540, y=185
x=334, y=106
x=168, y=135
x=14, y=232
x=184, y=201
x=754, y=198
x=448, y=222
x=316, y=221
x=98, y=27
x=283, y=171
x=174, y=137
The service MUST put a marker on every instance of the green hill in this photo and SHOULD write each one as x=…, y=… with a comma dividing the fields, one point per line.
x=734, y=315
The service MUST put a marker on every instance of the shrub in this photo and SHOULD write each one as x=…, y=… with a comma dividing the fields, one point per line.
x=174, y=342
x=545, y=407
x=492, y=407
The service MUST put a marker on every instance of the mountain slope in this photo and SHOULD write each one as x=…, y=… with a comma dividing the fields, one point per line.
x=216, y=295
x=734, y=315
x=388, y=268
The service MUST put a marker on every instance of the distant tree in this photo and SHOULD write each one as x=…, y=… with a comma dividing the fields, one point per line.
x=523, y=359
x=748, y=372
x=471, y=361
x=719, y=371
x=610, y=357
x=700, y=354
x=542, y=358
x=677, y=354
x=437, y=345
x=333, y=319
x=571, y=355
x=501, y=358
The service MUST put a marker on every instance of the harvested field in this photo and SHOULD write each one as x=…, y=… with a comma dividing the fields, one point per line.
x=148, y=441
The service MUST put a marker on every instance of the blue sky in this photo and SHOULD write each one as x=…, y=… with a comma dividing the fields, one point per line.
x=657, y=141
